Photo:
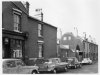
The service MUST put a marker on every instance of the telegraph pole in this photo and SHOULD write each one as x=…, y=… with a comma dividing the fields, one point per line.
x=77, y=36
x=76, y=30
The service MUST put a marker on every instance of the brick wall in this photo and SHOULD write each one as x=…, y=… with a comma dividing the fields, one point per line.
x=50, y=41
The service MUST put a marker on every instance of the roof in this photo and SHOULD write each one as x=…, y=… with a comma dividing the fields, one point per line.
x=41, y=21
x=20, y=6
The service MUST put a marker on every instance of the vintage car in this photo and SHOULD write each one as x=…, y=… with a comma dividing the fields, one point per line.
x=86, y=61
x=59, y=65
x=17, y=66
x=51, y=65
x=73, y=62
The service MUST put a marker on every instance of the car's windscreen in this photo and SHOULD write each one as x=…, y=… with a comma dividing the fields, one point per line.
x=10, y=64
x=20, y=63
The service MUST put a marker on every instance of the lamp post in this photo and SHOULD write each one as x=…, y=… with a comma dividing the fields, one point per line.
x=40, y=15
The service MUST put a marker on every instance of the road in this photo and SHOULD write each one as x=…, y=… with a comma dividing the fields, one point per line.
x=86, y=69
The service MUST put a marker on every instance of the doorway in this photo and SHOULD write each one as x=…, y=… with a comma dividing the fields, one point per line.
x=6, y=48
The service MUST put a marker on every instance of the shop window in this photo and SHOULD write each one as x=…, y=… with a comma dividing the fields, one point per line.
x=17, y=53
x=16, y=47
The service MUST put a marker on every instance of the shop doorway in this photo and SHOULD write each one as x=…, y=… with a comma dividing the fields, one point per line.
x=6, y=48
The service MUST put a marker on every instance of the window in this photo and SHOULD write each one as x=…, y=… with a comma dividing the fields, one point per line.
x=16, y=47
x=69, y=38
x=65, y=38
x=40, y=50
x=40, y=31
x=11, y=64
x=17, y=53
x=17, y=20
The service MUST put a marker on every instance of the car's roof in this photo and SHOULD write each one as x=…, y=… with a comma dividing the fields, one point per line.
x=10, y=59
x=86, y=58
x=71, y=57
x=54, y=58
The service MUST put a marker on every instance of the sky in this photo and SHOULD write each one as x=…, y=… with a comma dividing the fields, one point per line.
x=84, y=15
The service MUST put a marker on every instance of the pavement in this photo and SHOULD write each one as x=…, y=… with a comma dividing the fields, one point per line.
x=85, y=69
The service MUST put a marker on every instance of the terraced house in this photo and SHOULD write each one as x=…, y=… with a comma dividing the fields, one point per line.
x=24, y=36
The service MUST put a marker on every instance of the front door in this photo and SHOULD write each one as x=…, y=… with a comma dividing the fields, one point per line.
x=6, y=48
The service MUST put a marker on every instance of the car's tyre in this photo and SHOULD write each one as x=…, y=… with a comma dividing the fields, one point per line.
x=80, y=66
x=34, y=72
x=66, y=69
x=75, y=66
x=54, y=71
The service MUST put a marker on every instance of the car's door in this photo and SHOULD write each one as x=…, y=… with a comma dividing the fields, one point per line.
x=21, y=68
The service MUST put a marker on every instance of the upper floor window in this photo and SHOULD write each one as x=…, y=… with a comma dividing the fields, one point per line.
x=16, y=22
x=40, y=30
x=65, y=38
x=17, y=19
x=69, y=37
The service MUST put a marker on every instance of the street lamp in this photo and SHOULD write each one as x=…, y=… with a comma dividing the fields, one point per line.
x=40, y=15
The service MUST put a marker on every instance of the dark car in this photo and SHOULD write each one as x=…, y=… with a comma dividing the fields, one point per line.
x=51, y=65
x=59, y=65
x=73, y=62
x=17, y=66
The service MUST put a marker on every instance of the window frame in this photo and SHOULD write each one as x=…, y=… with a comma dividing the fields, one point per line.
x=40, y=44
x=16, y=25
x=40, y=30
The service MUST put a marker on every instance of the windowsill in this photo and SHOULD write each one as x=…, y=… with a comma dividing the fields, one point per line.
x=40, y=36
x=18, y=31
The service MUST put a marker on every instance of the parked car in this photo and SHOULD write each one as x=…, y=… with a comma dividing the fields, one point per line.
x=59, y=65
x=17, y=66
x=51, y=65
x=73, y=62
x=86, y=61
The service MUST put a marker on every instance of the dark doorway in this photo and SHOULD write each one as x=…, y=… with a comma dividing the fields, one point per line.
x=77, y=47
x=6, y=48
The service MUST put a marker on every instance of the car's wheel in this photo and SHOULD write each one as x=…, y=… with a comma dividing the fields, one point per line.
x=55, y=71
x=34, y=72
x=75, y=66
x=80, y=65
x=66, y=69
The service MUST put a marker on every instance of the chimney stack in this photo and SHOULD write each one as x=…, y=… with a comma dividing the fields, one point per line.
x=27, y=7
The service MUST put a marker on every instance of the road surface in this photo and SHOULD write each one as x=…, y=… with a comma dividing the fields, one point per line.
x=85, y=69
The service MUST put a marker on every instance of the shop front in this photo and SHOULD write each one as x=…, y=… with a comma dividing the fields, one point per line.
x=12, y=44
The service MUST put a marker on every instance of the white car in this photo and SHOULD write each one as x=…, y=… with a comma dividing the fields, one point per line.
x=17, y=66
x=86, y=61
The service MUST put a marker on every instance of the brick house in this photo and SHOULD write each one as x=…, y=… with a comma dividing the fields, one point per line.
x=78, y=47
x=90, y=50
x=73, y=45
x=24, y=36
